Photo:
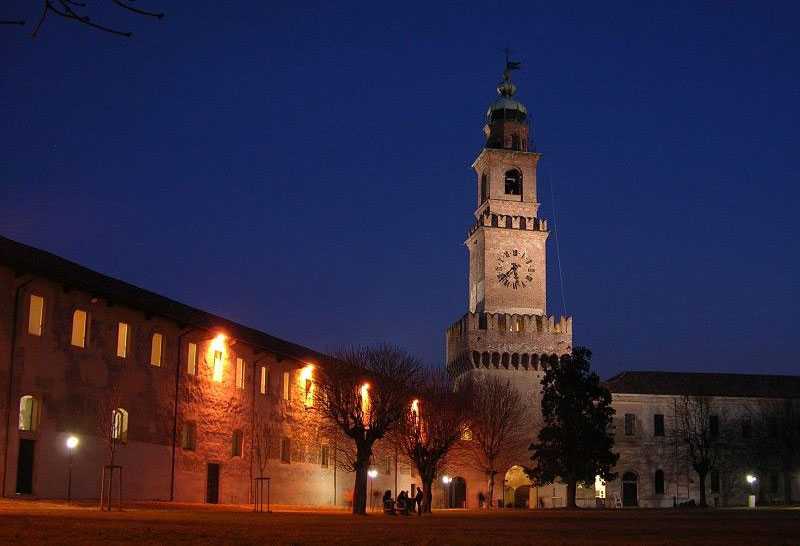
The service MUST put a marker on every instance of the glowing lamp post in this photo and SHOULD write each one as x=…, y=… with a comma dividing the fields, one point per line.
x=372, y=473
x=751, y=500
x=72, y=443
x=446, y=482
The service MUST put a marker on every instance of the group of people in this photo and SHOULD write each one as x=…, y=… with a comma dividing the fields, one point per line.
x=404, y=505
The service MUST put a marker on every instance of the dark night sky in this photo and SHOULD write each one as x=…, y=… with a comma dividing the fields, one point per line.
x=305, y=170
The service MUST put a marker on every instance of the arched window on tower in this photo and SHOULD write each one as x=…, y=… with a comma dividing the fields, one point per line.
x=484, y=188
x=513, y=180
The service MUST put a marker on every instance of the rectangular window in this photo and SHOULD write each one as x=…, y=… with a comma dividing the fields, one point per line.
x=156, y=348
x=323, y=456
x=501, y=324
x=189, y=436
x=122, y=340
x=747, y=428
x=236, y=450
x=713, y=426
x=658, y=425
x=286, y=390
x=630, y=424
x=79, y=328
x=714, y=481
x=240, y=373
x=482, y=322
x=191, y=359
x=286, y=450
x=263, y=387
x=36, y=315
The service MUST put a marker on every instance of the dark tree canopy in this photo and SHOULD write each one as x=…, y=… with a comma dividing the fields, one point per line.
x=575, y=443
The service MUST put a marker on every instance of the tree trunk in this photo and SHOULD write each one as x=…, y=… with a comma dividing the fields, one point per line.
x=360, y=490
x=361, y=467
x=572, y=490
x=491, y=489
x=702, y=477
x=427, y=495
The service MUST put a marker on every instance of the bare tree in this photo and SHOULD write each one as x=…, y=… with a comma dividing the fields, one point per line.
x=498, y=426
x=73, y=10
x=112, y=428
x=364, y=396
x=701, y=437
x=433, y=424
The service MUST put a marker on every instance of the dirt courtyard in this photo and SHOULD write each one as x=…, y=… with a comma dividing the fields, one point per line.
x=37, y=522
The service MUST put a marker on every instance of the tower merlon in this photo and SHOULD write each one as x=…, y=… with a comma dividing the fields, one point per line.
x=507, y=221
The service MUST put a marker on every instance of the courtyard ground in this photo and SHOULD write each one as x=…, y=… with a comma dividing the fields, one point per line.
x=25, y=523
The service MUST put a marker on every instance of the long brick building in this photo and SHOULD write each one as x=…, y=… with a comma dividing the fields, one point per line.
x=182, y=395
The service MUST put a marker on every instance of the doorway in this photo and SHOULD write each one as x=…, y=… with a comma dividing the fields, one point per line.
x=630, y=494
x=457, y=497
x=212, y=484
x=25, y=467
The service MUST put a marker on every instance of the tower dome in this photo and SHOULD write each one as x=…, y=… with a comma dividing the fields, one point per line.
x=507, y=118
x=506, y=107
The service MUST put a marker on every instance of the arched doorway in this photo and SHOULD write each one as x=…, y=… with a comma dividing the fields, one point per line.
x=630, y=493
x=517, y=486
x=457, y=494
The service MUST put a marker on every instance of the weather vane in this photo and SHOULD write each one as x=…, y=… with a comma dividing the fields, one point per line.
x=510, y=65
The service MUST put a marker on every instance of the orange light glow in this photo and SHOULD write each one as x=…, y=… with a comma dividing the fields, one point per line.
x=365, y=405
x=305, y=377
x=415, y=408
x=217, y=353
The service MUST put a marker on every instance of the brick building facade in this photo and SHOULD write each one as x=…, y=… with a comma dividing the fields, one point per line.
x=181, y=394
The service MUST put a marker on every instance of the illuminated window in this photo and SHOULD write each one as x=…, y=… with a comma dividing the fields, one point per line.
x=156, y=349
x=658, y=425
x=630, y=424
x=714, y=481
x=264, y=380
x=324, y=456
x=119, y=425
x=466, y=433
x=238, y=438
x=286, y=389
x=35, y=315
x=659, y=482
x=286, y=450
x=191, y=359
x=79, y=328
x=122, y=340
x=513, y=181
x=218, y=362
x=240, y=373
x=28, y=413
x=517, y=324
x=189, y=436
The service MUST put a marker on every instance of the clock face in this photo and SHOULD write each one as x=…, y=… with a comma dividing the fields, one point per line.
x=514, y=268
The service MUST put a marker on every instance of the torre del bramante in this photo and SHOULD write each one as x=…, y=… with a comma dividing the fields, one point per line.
x=183, y=391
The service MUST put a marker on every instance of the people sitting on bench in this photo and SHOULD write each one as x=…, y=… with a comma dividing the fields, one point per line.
x=388, y=503
x=403, y=503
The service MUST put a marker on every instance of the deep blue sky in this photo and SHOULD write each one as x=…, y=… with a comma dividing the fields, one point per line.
x=305, y=170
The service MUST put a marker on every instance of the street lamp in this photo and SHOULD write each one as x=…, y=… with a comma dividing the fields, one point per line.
x=72, y=443
x=446, y=481
x=751, y=501
x=372, y=473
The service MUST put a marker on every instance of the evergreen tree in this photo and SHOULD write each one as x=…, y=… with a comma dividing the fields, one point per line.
x=575, y=442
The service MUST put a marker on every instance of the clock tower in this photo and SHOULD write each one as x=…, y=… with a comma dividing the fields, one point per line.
x=506, y=330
